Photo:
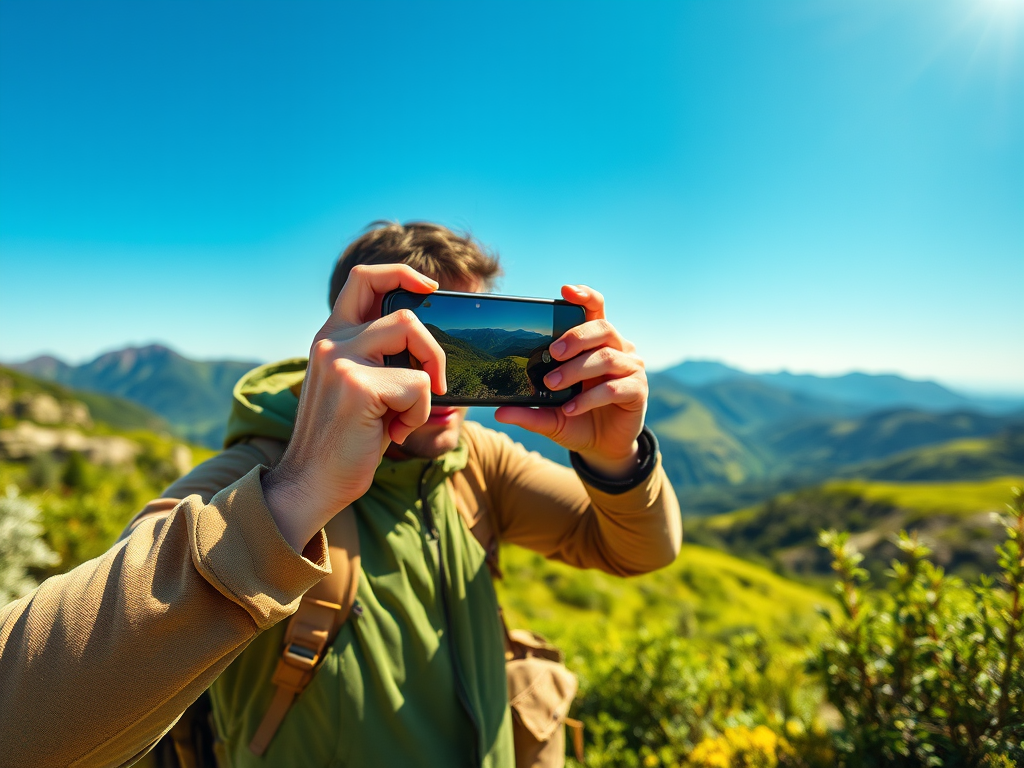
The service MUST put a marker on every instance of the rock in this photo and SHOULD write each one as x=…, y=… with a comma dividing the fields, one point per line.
x=27, y=440
x=40, y=408
x=76, y=414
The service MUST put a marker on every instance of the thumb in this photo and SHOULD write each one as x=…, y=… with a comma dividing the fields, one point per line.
x=543, y=421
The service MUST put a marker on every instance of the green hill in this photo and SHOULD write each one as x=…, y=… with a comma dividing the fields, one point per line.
x=954, y=518
x=115, y=412
x=89, y=462
x=704, y=592
x=696, y=448
x=969, y=459
x=831, y=443
x=738, y=441
x=193, y=396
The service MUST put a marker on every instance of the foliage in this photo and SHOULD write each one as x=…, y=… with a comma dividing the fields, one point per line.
x=660, y=699
x=21, y=545
x=84, y=506
x=708, y=646
x=929, y=672
x=782, y=532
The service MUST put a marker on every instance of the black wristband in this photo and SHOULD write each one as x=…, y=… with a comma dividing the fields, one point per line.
x=648, y=458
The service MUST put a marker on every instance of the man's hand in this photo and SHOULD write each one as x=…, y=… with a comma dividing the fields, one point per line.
x=603, y=422
x=351, y=406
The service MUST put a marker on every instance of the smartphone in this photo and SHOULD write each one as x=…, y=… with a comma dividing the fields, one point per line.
x=496, y=346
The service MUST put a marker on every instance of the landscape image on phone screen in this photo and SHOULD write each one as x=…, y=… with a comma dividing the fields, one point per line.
x=492, y=347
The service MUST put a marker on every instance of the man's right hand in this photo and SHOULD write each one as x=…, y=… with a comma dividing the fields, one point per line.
x=352, y=406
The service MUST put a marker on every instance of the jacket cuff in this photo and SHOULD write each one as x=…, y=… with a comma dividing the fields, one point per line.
x=237, y=547
x=648, y=460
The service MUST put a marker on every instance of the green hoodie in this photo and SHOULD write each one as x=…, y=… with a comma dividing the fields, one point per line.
x=416, y=676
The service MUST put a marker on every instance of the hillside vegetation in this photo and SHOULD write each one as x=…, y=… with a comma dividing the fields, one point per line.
x=705, y=592
x=954, y=518
x=969, y=459
x=87, y=477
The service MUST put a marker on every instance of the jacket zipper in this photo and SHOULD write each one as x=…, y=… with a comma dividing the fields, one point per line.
x=434, y=539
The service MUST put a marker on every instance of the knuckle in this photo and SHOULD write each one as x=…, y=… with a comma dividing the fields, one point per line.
x=323, y=350
x=607, y=355
x=617, y=387
x=405, y=317
x=359, y=271
x=344, y=370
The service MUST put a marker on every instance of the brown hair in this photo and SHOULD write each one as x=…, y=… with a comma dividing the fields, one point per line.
x=438, y=252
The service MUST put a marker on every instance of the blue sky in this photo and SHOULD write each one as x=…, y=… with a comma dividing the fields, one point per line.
x=818, y=186
x=451, y=314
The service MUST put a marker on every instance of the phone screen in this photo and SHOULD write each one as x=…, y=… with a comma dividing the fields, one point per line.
x=496, y=347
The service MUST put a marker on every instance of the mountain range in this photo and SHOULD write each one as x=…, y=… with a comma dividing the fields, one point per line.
x=728, y=438
x=192, y=396
x=857, y=390
x=498, y=343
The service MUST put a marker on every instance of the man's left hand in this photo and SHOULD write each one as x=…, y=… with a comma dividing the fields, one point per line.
x=603, y=422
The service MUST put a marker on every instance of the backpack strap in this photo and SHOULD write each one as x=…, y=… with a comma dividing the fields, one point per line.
x=313, y=627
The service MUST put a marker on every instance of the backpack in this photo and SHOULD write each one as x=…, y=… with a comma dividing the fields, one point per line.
x=540, y=687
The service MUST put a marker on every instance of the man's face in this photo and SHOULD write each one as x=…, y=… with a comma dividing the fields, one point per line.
x=444, y=426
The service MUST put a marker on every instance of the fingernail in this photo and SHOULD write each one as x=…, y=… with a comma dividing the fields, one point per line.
x=558, y=348
x=554, y=379
x=569, y=407
x=432, y=282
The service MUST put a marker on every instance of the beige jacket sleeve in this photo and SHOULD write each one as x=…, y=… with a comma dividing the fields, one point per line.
x=96, y=664
x=550, y=509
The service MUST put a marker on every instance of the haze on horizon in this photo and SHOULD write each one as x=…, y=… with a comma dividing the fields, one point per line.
x=809, y=186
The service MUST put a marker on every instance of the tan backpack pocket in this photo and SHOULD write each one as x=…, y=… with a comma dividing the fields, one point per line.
x=541, y=690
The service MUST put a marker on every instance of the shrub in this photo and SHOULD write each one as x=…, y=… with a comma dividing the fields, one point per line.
x=929, y=672
x=21, y=546
x=661, y=699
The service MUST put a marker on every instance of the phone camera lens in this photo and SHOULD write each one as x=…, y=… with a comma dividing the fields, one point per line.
x=546, y=356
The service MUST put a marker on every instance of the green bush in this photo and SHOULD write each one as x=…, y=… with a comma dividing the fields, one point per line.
x=658, y=697
x=929, y=672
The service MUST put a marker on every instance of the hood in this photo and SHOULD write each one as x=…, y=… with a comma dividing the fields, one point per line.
x=265, y=400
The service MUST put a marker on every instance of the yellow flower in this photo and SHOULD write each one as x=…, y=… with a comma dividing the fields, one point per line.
x=762, y=739
x=711, y=753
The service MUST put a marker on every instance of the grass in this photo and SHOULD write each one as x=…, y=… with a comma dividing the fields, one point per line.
x=959, y=498
x=704, y=592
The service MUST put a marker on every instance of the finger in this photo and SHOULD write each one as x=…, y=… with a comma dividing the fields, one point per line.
x=366, y=282
x=406, y=394
x=591, y=301
x=398, y=332
x=543, y=421
x=630, y=394
x=594, y=364
x=589, y=335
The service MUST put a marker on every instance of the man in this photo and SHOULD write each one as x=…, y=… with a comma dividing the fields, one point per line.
x=102, y=660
